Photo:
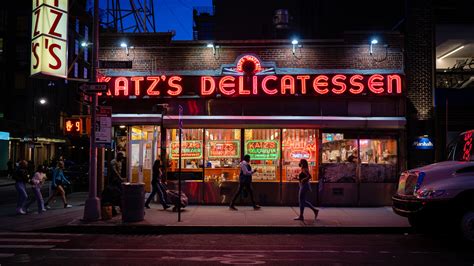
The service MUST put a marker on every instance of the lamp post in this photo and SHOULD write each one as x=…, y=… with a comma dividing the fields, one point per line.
x=41, y=101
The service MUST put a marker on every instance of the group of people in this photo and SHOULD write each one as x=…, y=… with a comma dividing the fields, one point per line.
x=245, y=182
x=24, y=177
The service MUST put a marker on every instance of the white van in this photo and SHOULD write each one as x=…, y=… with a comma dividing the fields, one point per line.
x=441, y=192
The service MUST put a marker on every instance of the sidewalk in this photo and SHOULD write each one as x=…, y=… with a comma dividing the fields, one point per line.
x=211, y=219
x=5, y=181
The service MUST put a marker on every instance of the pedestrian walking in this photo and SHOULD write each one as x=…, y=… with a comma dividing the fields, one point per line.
x=157, y=186
x=21, y=177
x=245, y=181
x=304, y=178
x=36, y=182
x=57, y=185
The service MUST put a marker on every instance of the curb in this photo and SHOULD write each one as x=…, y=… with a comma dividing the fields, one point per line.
x=7, y=184
x=163, y=229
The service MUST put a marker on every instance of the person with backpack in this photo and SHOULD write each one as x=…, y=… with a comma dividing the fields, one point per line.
x=57, y=185
x=157, y=186
x=21, y=177
x=304, y=177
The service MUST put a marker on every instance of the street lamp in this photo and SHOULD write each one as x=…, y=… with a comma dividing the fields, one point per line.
x=43, y=101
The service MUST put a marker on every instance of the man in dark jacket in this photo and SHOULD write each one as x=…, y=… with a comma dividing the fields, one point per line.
x=245, y=181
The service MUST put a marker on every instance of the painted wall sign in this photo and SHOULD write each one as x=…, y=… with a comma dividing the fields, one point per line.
x=224, y=149
x=49, y=38
x=190, y=149
x=114, y=64
x=262, y=149
x=73, y=126
x=255, y=85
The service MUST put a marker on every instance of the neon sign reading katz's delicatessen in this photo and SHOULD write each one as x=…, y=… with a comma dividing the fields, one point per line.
x=255, y=85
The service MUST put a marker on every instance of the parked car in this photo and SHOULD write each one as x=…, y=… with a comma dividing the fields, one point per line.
x=441, y=193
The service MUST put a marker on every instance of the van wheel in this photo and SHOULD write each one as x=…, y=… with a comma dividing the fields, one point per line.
x=467, y=225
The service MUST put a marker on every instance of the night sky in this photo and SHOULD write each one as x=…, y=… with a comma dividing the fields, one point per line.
x=174, y=15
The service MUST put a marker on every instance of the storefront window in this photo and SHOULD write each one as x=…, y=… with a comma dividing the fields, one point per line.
x=378, y=160
x=263, y=146
x=191, y=153
x=339, y=158
x=222, y=155
x=298, y=144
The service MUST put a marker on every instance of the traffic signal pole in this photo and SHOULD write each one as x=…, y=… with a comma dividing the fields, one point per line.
x=92, y=204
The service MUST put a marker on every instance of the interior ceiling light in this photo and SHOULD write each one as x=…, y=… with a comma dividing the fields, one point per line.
x=451, y=52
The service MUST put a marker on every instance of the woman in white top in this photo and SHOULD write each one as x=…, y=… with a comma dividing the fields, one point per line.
x=36, y=182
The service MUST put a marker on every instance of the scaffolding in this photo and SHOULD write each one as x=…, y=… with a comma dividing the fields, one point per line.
x=130, y=16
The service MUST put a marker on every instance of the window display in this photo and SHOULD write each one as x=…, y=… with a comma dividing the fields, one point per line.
x=298, y=144
x=378, y=160
x=222, y=155
x=191, y=150
x=339, y=157
x=263, y=146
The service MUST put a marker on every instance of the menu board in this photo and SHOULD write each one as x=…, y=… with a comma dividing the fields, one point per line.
x=262, y=149
x=224, y=149
x=190, y=149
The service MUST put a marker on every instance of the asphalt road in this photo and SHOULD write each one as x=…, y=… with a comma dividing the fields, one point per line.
x=323, y=249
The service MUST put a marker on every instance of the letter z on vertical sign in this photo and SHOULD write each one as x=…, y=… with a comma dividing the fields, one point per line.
x=49, y=38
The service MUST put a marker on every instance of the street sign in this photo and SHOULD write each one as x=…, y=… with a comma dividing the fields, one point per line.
x=103, y=125
x=114, y=64
x=94, y=87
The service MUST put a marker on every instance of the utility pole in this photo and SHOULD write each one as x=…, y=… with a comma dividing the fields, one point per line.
x=92, y=205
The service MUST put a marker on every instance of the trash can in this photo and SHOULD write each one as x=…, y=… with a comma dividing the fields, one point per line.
x=133, y=202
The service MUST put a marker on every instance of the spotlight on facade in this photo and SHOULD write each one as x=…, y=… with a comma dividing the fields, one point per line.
x=372, y=43
x=124, y=45
x=294, y=44
x=211, y=45
x=42, y=101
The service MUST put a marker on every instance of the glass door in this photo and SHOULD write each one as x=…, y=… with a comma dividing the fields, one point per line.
x=144, y=146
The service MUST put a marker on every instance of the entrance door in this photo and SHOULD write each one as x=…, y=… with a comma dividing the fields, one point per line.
x=144, y=149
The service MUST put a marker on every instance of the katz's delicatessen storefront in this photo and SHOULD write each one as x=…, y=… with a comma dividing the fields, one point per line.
x=348, y=123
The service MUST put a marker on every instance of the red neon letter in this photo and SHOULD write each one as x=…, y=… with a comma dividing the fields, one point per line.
x=287, y=85
x=121, y=83
x=376, y=83
x=317, y=84
x=336, y=82
x=303, y=83
x=223, y=85
x=204, y=90
x=52, y=30
x=58, y=61
x=264, y=85
x=151, y=89
x=242, y=91
x=354, y=82
x=33, y=49
x=137, y=84
x=398, y=83
x=254, y=85
x=178, y=88
x=36, y=31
